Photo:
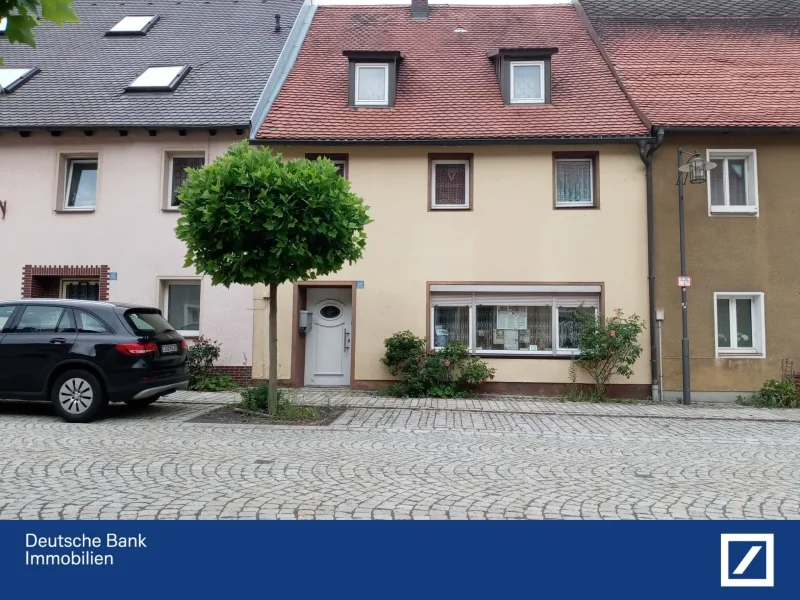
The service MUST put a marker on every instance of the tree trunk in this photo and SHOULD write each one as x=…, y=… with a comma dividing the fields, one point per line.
x=273, y=348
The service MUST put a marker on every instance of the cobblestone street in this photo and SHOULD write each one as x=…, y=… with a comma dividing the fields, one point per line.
x=404, y=459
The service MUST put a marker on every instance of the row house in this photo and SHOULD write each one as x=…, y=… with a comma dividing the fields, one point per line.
x=500, y=158
x=97, y=126
x=721, y=80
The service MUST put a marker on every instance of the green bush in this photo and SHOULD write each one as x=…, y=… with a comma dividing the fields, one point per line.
x=781, y=393
x=256, y=399
x=215, y=383
x=607, y=346
x=200, y=357
x=450, y=372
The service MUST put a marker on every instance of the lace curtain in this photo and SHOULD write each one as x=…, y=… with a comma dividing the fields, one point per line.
x=574, y=181
x=527, y=82
x=372, y=84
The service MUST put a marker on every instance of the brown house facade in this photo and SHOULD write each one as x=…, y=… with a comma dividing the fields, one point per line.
x=726, y=89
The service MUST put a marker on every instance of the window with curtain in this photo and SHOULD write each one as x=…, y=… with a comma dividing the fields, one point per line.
x=450, y=183
x=574, y=182
x=372, y=84
x=178, y=174
x=524, y=323
x=731, y=185
x=527, y=81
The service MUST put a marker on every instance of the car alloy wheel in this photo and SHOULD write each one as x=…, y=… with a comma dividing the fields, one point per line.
x=76, y=395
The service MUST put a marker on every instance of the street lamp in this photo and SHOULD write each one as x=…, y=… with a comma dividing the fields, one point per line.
x=695, y=170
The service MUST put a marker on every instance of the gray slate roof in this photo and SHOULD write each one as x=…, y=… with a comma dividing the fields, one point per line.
x=676, y=9
x=230, y=46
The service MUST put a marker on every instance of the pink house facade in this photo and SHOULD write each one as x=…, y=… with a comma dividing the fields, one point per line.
x=93, y=151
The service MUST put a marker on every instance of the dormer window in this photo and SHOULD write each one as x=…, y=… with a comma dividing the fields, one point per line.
x=527, y=82
x=523, y=74
x=372, y=84
x=372, y=78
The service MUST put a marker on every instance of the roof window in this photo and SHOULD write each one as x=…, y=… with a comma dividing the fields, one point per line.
x=11, y=79
x=372, y=78
x=524, y=74
x=159, y=79
x=133, y=26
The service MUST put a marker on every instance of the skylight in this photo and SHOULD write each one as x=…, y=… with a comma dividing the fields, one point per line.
x=159, y=79
x=133, y=25
x=3, y=23
x=11, y=79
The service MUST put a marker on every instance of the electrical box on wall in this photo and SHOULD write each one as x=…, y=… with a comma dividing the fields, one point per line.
x=304, y=322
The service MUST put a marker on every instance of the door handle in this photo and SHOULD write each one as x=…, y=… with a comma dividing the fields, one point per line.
x=58, y=341
x=346, y=340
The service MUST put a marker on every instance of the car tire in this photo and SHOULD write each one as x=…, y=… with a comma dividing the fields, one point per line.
x=78, y=397
x=142, y=401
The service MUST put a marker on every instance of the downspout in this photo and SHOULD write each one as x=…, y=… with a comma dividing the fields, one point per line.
x=646, y=151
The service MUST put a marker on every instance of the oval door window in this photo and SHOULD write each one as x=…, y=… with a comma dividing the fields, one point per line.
x=330, y=312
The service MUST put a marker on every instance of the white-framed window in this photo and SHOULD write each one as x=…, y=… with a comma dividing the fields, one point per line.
x=80, y=188
x=507, y=320
x=574, y=182
x=733, y=184
x=158, y=79
x=371, y=84
x=181, y=305
x=450, y=183
x=177, y=163
x=527, y=81
x=739, y=324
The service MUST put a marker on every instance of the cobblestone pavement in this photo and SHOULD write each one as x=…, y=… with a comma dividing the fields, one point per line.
x=404, y=459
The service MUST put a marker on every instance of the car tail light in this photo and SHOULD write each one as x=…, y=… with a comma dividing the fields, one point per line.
x=184, y=345
x=137, y=349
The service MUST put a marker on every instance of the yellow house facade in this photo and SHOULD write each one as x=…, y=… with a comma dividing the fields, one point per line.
x=492, y=222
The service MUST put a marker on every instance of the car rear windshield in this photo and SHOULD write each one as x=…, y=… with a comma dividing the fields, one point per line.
x=147, y=323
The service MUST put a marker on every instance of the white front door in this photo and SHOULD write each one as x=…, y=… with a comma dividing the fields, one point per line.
x=328, y=342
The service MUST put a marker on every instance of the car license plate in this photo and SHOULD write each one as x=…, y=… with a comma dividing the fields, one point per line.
x=169, y=348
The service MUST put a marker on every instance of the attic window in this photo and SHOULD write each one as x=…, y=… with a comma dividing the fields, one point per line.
x=11, y=79
x=159, y=79
x=133, y=26
x=523, y=74
x=372, y=78
x=527, y=82
x=3, y=23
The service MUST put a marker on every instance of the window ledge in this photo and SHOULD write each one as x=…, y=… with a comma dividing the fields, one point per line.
x=74, y=210
x=170, y=209
x=739, y=354
x=727, y=210
x=528, y=356
x=576, y=205
x=445, y=208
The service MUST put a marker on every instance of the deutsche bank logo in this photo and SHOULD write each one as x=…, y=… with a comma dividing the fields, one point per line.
x=748, y=559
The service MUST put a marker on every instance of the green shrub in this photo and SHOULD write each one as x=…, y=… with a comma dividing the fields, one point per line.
x=200, y=358
x=781, y=393
x=446, y=373
x=607, y=346
x=215, y=383
x=256, y=399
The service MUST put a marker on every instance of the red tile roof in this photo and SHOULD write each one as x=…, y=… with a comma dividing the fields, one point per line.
x=447, y=87
x=710, y=72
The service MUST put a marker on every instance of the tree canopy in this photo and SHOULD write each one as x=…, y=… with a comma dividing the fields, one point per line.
x=252, y=218
x=23, y=15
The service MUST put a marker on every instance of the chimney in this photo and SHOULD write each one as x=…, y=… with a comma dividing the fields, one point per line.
x=419, y=10
x=277, y=23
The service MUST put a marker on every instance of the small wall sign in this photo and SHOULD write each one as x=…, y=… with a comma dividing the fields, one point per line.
x=112, y=275
x=684, y=281
x=359, y=285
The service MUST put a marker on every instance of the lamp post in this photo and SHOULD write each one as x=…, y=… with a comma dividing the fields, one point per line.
x=694, y=170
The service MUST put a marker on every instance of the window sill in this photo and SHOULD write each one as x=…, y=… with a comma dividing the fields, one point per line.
x=527, y=356
x=568, y=205
x=64, y=211
x=436, y=207
x=747, y=211
x=739, y=354
x=189, y=335
x=172, y=209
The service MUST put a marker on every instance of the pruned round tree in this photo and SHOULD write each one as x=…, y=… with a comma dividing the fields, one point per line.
x=251, y=217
